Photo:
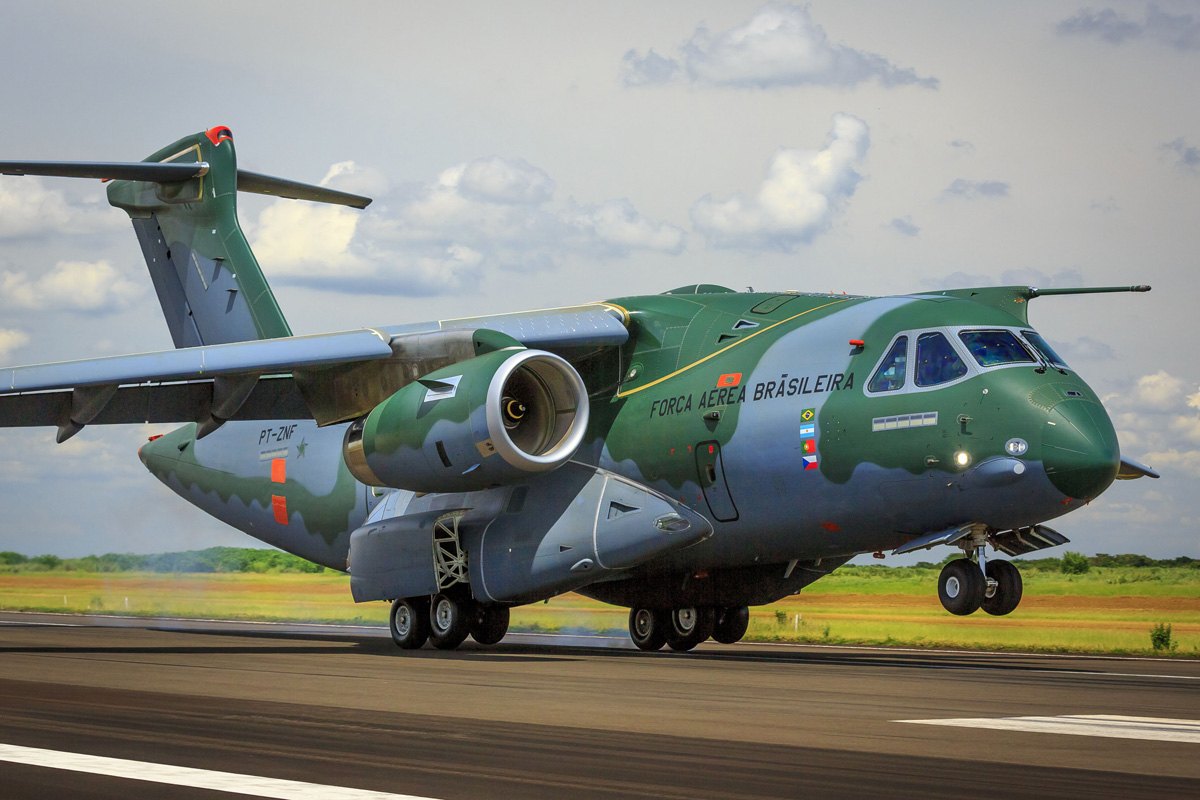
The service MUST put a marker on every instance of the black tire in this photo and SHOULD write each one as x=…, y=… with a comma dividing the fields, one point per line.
x=489, y=624
x=1009, y=586
x=648, y=628
x=449, y=621
x=689, y=626
x=409, y=622
x=960, y=587
x=731, y=624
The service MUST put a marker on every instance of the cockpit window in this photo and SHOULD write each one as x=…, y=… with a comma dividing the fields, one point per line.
x=992, y=348
x=1046, y=351
x=937, y=362
x=890, y=375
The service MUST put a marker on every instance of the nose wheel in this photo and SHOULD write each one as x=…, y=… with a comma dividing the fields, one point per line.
x=965, y=586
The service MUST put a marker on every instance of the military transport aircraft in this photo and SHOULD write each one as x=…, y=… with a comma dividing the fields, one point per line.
x=686, y=455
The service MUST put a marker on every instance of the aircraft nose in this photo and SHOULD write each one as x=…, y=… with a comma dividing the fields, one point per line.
x=1079, y=449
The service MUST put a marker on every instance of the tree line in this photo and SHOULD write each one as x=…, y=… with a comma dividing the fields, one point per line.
x=213, y=559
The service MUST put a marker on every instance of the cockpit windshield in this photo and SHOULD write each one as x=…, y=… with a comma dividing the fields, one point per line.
x=993, y=348
x=890, y=375
x=1043, y=348
x=937, y=361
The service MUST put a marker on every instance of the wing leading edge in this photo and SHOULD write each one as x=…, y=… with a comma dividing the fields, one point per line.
x=329, y=377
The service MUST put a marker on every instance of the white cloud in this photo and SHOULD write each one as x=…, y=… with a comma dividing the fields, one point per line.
x=1185, y=461
x=11, y=340
x=1178, y=31
x=1158, y=417
x=780, y=45
x=28, y=208
x=441, y=236
x=1159, y=391
x=75, y=285
x=802, y=192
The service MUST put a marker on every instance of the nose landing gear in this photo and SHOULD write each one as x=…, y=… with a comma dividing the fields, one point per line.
x=967, y=584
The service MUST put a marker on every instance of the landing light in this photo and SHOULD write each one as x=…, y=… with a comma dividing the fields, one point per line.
x=962, y=458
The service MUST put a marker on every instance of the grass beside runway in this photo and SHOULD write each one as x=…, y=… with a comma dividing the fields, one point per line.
x=1102, y=611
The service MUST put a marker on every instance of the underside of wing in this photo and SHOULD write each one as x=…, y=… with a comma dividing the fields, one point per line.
x=329, y=378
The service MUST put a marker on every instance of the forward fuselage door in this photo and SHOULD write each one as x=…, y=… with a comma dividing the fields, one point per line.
x=712, y=481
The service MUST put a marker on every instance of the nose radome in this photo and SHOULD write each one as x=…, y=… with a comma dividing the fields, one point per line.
x=1079, y=449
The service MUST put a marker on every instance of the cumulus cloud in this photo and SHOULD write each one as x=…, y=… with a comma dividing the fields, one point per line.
x=802, y=192
x=963, y=146
x=1158, y=416
x=75, y=285
x=28, y=208
x=440, y=236
x=11, y=340
x=904, y=225
x=1187, y=157
x=1178, y=31
x=974, y=189
x=780, y=45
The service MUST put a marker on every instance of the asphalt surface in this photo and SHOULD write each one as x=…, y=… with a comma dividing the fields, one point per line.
x=541, y=716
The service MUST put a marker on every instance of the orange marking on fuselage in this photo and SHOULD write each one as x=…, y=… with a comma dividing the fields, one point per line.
x=279, y=506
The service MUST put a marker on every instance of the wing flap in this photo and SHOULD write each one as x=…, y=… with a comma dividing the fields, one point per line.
x=272, y=398
x=329, y=378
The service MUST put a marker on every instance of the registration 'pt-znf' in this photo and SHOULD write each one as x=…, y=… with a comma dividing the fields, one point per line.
x=686, y=454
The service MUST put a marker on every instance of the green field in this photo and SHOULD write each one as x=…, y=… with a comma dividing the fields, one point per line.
x=1105, y=610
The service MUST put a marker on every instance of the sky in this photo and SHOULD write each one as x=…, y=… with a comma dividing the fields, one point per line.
x=536, y=154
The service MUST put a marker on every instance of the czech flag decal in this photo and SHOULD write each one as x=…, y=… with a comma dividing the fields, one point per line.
x=810, y=462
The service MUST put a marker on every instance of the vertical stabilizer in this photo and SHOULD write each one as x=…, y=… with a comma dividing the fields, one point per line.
x=208, y=281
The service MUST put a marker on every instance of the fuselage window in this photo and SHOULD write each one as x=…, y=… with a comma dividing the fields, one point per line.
x=991, y=348
x=937, y=362
x=1044, y=348
x=890, y=375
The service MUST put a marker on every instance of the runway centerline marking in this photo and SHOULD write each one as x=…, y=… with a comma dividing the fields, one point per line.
x=232, y=782
x=1115, y=727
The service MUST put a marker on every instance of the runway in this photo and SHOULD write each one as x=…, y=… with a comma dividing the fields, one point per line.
x=543, y=716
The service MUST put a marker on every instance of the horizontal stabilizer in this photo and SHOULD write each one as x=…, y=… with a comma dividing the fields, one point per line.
x=278, y=187
x=155, y=172
x=177, y=172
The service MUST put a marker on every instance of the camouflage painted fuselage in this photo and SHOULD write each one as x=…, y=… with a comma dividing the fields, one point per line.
x=755, y=411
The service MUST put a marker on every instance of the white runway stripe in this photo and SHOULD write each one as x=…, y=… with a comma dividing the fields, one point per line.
x=188, y=776
x=1150, y=728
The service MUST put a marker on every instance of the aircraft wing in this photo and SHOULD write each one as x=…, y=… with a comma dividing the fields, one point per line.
x=329, y=377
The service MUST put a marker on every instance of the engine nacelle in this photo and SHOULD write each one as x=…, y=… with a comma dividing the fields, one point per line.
x=488, y=421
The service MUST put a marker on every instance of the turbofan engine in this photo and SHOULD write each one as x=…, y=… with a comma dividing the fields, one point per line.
x=487, y=421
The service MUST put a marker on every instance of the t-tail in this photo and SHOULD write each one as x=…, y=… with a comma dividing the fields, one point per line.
x=183, y=204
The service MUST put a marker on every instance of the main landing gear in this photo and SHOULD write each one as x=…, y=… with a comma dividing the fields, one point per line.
x=682, y=629
x=967, y=585
x=445, y=620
